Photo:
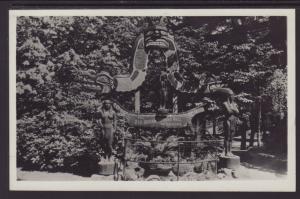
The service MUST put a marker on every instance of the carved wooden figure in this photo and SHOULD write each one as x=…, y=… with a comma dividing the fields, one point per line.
x=108, y=120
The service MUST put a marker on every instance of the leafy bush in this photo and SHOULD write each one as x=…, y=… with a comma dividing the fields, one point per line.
x=55, y=143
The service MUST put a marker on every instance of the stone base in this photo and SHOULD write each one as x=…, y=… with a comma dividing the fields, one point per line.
x=183, y=169
x=106, y=168
x=162, y=111
x=158, y=169
x=229, y=162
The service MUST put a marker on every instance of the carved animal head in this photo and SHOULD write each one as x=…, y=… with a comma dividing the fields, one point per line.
x=101, y=82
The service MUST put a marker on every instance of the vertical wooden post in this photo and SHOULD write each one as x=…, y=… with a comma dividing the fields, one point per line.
x=124, y=160
x=204, y=126
x=198, y=130
x=175, y=104
x=137, y=102
x=214, y=122
x=178, y=156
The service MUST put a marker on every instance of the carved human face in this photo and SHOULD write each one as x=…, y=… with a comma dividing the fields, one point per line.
x=156, y=37
x=107, y=106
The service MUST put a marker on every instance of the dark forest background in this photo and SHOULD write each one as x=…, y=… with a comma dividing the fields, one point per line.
x=57, y=122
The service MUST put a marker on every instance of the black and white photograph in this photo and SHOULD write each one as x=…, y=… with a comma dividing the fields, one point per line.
x=169, y=100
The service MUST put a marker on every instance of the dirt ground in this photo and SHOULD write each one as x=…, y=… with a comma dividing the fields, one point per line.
x=244, y=173
x=256, y=164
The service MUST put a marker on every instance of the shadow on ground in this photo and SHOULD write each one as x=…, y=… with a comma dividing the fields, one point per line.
x=263, y=160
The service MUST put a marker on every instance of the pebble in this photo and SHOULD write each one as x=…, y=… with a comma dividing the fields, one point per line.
x=221, y=175
x=130, y=175
x=153, y=178
x=172, y=176
x=102, y=177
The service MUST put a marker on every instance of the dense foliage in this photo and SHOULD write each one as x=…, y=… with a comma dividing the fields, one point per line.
x=57, y=122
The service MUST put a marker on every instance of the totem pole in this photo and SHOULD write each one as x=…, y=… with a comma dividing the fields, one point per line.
x=157, y=41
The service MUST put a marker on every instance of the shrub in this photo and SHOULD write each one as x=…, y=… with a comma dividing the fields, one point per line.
x=59, y=143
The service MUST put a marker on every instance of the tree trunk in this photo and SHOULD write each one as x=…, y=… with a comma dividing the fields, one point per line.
x=252, y=128
x=243, y=135
x=259, y=123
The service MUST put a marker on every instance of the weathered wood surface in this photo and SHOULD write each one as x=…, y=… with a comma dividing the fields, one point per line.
x=153, y=120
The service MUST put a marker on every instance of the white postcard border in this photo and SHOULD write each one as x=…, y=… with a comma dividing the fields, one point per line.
x=286, y=184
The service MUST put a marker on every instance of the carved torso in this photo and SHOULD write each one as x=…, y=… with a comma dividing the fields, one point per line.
x=107, y=118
